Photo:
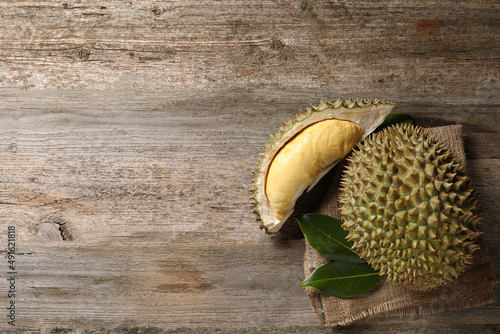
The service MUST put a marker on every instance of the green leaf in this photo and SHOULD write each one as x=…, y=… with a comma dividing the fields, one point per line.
x=326, y=235
x=392, y=119
x=342, y=279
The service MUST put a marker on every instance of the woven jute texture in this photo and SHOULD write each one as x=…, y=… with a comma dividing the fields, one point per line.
x=473, y=288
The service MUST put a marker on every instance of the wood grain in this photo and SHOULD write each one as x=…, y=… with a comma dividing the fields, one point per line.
x=129, y=132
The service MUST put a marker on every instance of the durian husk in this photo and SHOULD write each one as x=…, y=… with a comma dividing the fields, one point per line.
x=369, y=114
x=409, y=208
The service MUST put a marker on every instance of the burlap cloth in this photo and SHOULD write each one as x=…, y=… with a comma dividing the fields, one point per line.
x=473, y=288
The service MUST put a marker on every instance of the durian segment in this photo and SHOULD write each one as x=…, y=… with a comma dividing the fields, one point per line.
x=299, y=163
x=409, y=208
x=368, y=114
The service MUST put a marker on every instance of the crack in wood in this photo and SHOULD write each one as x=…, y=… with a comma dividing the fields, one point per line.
x=94, y=13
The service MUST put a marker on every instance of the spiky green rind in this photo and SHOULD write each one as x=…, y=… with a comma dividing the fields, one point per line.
x=286, y=131
x=409, y=208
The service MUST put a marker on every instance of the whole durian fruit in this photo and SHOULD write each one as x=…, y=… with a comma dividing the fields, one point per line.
x=409, y=208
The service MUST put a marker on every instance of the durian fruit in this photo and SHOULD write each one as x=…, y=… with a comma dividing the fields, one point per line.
x=409, y=208
x=305, y=149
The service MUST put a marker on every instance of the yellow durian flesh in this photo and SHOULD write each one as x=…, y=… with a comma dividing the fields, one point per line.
x=299, y=163
x=368, y=114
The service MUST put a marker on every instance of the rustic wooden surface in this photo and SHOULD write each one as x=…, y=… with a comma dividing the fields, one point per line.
x=129, y=130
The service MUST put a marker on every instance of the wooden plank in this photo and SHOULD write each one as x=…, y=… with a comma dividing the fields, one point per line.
x=171, y=285
x=433, y=50
x=100, y=173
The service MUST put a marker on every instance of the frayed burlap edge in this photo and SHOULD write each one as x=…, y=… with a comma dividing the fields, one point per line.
x=473, y=288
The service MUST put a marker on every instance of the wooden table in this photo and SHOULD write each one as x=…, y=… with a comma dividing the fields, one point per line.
x=129, y=131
